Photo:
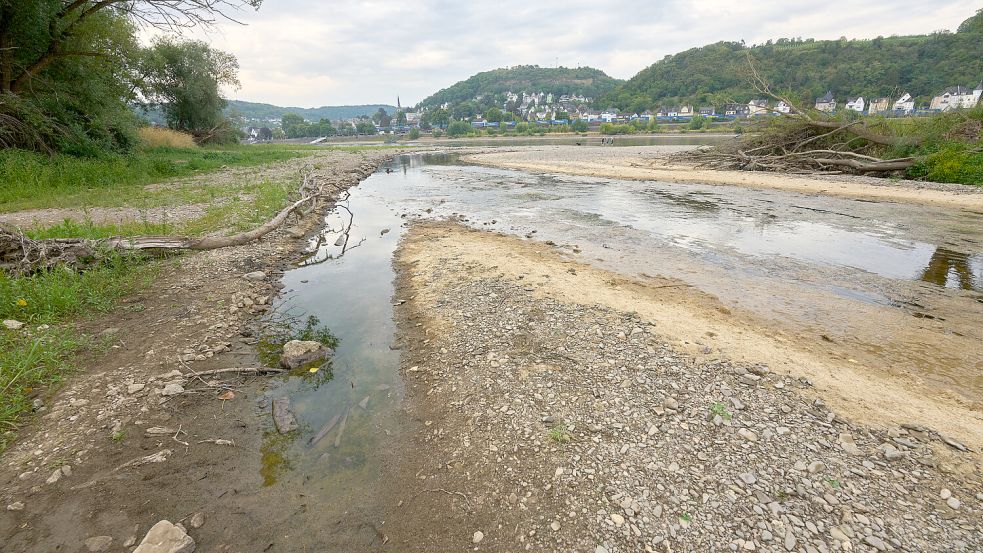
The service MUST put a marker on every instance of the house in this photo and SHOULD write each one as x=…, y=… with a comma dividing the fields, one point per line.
x=673, y=112
x=783, y=107
x=609, y=115
x=757, y=107
x=857, y=104
x=877, y=105
x=826, y=102
x=905, y=104
x=957, y=97
x=707, y=111
x=662, y=112
x=686, y=111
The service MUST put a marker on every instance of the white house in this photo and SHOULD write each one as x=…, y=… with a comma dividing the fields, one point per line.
x=957, y=97
x=877, y=105
x=826, y=102
x=905, y=103
x=782, y=107
x=857, y=104
x=685, y=111
x=609, y=115
x=757, y=107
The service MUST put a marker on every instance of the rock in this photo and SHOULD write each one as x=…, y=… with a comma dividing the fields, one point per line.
x=255, y=275
x=837, y=534
x=283, y=417
x=747, y=435
x=790, y=541
x=98, y=543
x=477, y=537
x=600, y=549
x=617, y=519
x=172, y=389
x=16, y=506
x=130, y=541
x=945, y=493
x=109, y=332
x=953, y=503
x=197, y=520
x=134, y=388
x=555, y=526
x=55, y=476
x=670, y=403
x=37, y=404
x=165, y=537
x=11, y=324
x=816, y=466
x=297, y=353
x=875, y=542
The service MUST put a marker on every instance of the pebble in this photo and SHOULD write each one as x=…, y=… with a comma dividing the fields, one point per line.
x=945, y=493
x=617, y=519
x=134, y=388
x=747, y=435
x=555, y=526
x=600, y=549
x=790, y=540
x=875, y=542
x=172, y=389
x=953, y=503
x=12, y=324
x=255, y=275
x=197, y=520
x=98, y=543
x=477, y=537
x=16, y=506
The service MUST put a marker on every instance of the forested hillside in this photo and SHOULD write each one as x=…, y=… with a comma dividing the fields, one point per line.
x=713, y=74
x=583, y=81
x=254, y=110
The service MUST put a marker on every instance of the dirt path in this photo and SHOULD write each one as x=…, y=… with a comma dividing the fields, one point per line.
x=565, y=408
x=71, y=476
x=650, y=163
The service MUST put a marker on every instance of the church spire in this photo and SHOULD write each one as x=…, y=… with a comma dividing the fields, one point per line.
x=398, y=107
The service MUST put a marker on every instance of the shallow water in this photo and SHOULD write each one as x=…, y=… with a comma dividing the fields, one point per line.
x=783, y=255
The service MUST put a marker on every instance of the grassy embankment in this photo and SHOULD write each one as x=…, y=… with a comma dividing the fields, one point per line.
x=38, y=355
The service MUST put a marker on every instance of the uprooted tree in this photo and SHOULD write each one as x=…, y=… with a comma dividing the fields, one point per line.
x=805, y=140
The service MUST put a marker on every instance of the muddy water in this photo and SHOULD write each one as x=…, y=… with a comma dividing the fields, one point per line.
x=827, y=266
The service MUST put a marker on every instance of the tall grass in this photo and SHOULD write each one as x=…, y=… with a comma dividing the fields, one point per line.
x=38, y=355
x=160, y=137
x=30, y=180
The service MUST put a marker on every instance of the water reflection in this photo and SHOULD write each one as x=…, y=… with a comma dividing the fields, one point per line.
x=950, y=269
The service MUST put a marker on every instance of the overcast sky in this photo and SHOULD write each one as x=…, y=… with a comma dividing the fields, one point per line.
x=309, y=53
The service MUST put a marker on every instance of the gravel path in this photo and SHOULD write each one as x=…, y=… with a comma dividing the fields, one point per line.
x=573, y=428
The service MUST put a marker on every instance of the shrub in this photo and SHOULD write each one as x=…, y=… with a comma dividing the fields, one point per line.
x=414, y=134
x=952, y=162
x=156, y=137
x=459, y=128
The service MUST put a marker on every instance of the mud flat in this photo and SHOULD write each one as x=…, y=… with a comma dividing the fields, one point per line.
x=559, y=410
x=652, y=163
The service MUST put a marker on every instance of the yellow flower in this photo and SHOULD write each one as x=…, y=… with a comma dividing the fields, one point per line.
x=22, y=302
x=313, y=369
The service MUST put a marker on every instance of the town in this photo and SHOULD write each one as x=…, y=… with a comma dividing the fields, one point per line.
x=571, y=112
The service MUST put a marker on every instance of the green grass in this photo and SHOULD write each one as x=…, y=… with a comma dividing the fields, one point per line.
x=559, y=434
x=35, y=181
x=39, y=354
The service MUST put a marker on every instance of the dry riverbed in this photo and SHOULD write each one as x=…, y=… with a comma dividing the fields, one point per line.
x=557, y=414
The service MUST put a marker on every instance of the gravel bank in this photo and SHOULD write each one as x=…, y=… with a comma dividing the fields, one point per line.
x=553, y=426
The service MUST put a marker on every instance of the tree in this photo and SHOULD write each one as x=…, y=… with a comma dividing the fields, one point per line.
x=414, y=134
x=440, y=117
x=382, y=118
x=493, y=115
x=67, y=67
x=364, y=127
x=459, y=128
x=182, y=78
x=293, y=125
x=579, y=126
x=400, y=118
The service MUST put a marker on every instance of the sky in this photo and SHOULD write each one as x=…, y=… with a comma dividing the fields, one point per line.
x=309, y=53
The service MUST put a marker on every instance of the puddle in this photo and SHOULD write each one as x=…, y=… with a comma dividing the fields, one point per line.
x=787, y=256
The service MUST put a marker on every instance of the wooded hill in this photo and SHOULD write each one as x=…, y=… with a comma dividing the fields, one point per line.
x=254, y=110
x=711, y=75
x=583, y=81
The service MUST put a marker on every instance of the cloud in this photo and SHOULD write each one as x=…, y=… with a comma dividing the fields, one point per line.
x=314, y=52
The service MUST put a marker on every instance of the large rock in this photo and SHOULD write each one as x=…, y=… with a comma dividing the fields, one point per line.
x=297, y=353
x=283, y=417
x=11, y=324
x=165, y=537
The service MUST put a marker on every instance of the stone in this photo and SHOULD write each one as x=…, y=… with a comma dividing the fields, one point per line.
x=953, y=503
x=555, y=526
x=11, y=324
x=165, y=537
x=134, y=388
x=197, y=520
x=55, y=476
x=790, y=541
x=283, y=417
x=945, y=493
x=816, y=466
x=130, y=541
x=172, y=389
x=617, y=519
x=747, y=435
x=16, y=506
x=477, y=537
x=98, y=543
x=837, y=534
x=255, y=275
x=600, y=549
x=875, y=542
x=297, y=353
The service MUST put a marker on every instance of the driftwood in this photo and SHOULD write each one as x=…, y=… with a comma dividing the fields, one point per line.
x=237, y=370
x=20, y=255
x=806, y=141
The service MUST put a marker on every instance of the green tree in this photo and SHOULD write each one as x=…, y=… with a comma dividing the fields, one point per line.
x=183, y=78
x=494, y=115
x=459, y=128
x=68, y=68
x=579, y=126
x=364, y=127
x=400, y=118
x=414, y=134
x=440, y=118
x=382, y=118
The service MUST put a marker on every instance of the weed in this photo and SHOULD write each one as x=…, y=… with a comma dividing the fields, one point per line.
x=686, y=517
x=719, y=408
x=559, y=434
x=118, y=436
x=833, y=483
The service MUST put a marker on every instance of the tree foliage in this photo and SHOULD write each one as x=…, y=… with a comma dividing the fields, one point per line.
x=68, y=68
x=921, y=65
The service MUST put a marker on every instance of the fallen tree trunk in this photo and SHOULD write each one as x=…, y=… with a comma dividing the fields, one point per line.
x=871, y=167
x=20, y=255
